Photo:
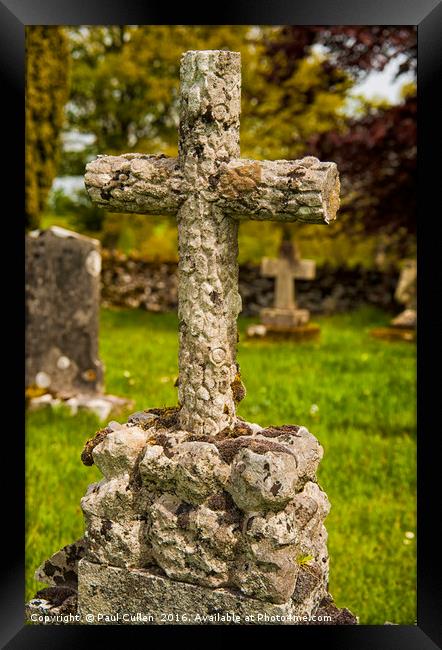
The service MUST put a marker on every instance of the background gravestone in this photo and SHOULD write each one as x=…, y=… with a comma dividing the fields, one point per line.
x=403, y=326
x=62, y=323
x=406, y=294
x=62, y=312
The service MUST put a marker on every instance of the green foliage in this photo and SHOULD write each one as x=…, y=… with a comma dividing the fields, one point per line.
x=79, y=212
x=86, y=217
x=60, y=203
x=363, y=394
x=125, y=81
x=124, y=92
x=125, y=85
x=72, y=163
x=47, y=66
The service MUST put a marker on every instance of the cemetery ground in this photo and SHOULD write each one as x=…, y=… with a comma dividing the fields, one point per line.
x=356, y=394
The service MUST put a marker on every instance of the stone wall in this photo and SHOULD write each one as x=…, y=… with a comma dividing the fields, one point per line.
x=128, y=282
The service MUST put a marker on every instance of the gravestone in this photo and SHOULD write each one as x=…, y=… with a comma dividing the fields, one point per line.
x=202, y=517
x=62, y=320
x=403, y=326
x=406, y=294
x=285, y=319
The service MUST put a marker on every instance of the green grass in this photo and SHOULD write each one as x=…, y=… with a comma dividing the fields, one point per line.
x=355, y=393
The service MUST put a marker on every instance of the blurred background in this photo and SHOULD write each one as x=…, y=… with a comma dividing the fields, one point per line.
x=346, y=94
x=341, y=93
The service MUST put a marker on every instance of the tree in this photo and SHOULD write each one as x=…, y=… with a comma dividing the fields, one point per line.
x=376, y=155
x=125, y=81
x=125, y=90
x=375, y=150
x=47, y=58
x=356, y=49
x=125, y=86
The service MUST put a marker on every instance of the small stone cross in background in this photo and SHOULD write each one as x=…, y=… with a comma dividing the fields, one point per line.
x=285, y=269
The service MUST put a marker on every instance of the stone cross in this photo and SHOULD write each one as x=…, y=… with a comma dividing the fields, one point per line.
x=211, y=189
x=285, y=269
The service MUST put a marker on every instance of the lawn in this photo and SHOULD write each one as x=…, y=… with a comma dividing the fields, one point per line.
x=355, y=393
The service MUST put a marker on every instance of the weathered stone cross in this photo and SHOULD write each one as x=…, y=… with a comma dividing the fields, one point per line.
x=285, y=269
x=210, y=189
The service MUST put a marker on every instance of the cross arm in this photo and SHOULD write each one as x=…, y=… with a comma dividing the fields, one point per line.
x=135, y=183
x=271, y=267
x=280, y=190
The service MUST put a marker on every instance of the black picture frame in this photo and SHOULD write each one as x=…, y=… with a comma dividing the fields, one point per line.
x=427, y=16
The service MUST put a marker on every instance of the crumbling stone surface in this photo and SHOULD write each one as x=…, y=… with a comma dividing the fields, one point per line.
x=242, y=512
x=329, y=614
x=54, y=605
x=119, y=450
x=262, y=481
x=62, y=567
x=192, y=543
x=231, y=522
x=193, y=470
x=110, y=498
x=117, y=543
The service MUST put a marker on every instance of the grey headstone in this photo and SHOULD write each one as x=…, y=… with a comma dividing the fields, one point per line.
x=62, y=312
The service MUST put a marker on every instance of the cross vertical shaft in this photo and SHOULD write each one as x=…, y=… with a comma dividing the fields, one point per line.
x=210, y=189
x=209, y=302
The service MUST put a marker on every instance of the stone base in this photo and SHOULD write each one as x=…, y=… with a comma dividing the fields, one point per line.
x=110, y=595
x=394, y=334
x=102, y=405
x=299, y=333
x=187, y=529
x=284, y=318
x=86, y=593
x=140, y=597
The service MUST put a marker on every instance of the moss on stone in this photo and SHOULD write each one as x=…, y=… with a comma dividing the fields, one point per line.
x=86, y=455
x=168, y=417
x=238, y=388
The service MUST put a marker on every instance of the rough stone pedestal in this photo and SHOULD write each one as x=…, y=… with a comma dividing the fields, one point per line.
x=62, y=320
x=186, y=529
x=299, y=333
